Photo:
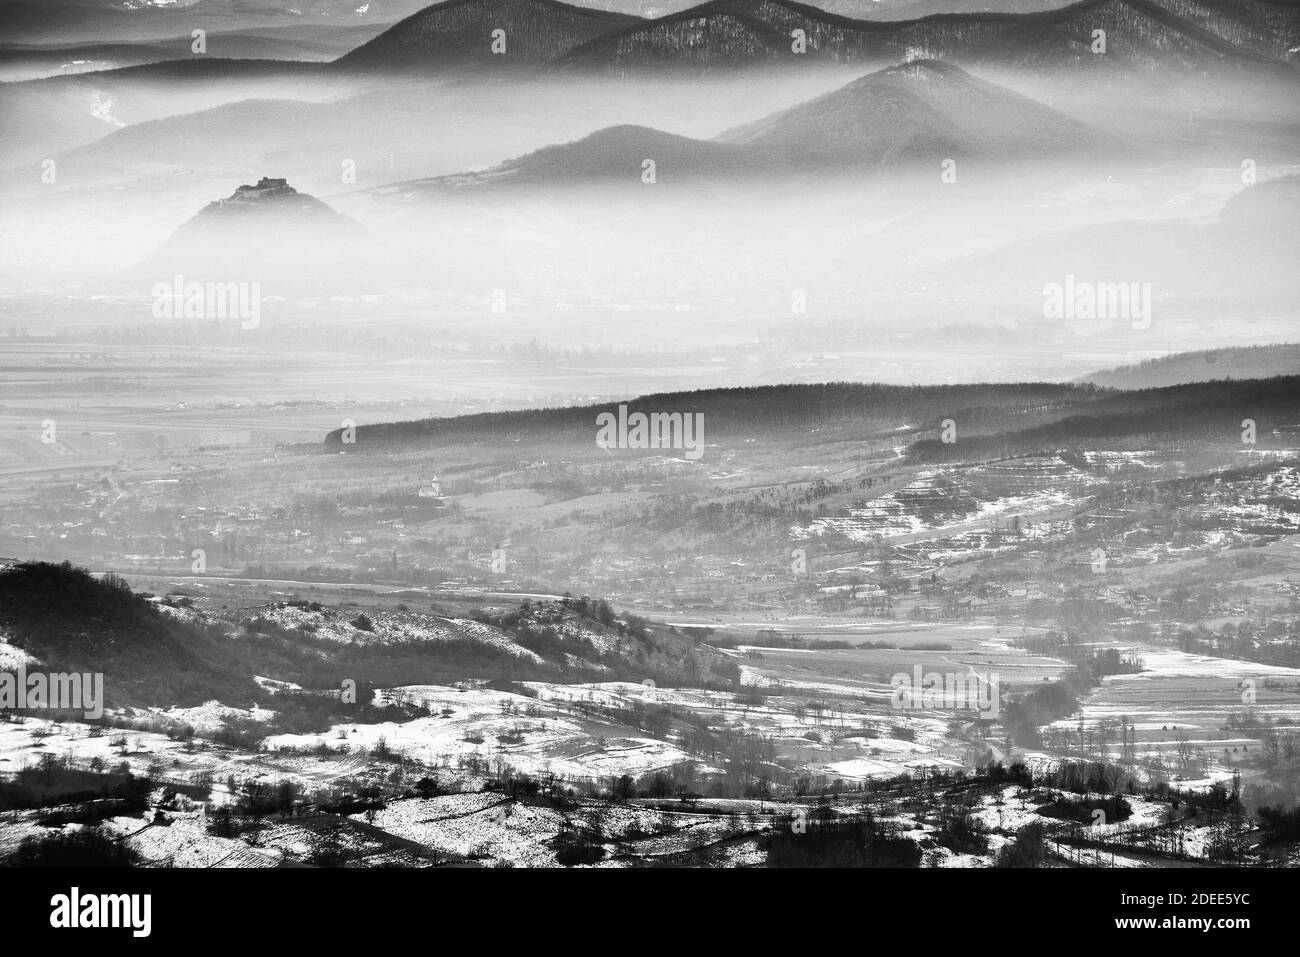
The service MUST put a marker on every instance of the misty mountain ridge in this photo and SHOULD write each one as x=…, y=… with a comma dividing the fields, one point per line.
x=609, y=155
x=1246, y=251
x=920, y=112
x=20, y=61
x=48, y=21
x=1247, y=362
x=1266, y=211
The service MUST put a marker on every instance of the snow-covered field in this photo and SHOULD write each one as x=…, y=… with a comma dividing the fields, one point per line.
x=530, y=735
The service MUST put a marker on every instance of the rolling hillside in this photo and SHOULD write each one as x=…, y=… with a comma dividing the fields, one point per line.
x=158, y=653
x=1254, y=362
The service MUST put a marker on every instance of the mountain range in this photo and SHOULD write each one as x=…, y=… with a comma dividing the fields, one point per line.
x=306, y=42
x=1140, y=35
x=921, y=112
x=1156, y=39
x=80, y=21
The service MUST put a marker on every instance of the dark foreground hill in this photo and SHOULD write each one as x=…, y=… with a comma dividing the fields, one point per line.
x=74, y=622
x=154, y=654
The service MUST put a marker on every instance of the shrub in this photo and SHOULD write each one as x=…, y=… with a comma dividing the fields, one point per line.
x=75, y=849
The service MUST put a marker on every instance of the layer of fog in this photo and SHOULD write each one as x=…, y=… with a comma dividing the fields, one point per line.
x=896, y=275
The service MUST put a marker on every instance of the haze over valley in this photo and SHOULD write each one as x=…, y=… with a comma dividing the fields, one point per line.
x=515, y=433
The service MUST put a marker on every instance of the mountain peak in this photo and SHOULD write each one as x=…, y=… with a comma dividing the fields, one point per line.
x=919, y=111
x=264, y=222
